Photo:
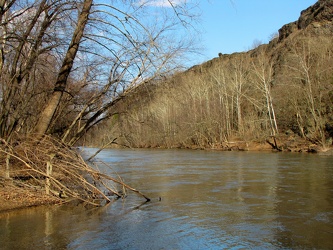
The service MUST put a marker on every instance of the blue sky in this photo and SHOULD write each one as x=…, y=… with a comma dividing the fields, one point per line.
x=233, y=25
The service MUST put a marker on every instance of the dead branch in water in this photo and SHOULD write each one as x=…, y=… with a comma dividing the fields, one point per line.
x=123, y=184
x=49, y=165
x=103, y=147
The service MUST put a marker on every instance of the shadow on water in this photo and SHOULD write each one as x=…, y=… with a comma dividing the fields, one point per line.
x=209, y=200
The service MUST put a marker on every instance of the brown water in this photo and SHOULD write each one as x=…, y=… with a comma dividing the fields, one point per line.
x=210, y=200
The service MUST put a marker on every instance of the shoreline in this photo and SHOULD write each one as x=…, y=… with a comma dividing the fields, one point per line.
x=13, y=197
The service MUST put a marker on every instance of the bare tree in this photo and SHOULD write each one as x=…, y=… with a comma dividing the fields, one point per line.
x=309, y=67
x=263, y=71
x=26, y=47
x=61, y=83
x=92, y=47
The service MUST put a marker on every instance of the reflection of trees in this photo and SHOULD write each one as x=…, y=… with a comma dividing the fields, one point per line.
x=44, y=227
x=304, y=210
x=230, y=197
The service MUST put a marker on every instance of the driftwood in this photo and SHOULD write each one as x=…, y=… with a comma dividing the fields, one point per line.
x=274, y=144
x=103, y=147
x=60, y=171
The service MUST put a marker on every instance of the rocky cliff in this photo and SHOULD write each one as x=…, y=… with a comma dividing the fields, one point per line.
x=319, y=15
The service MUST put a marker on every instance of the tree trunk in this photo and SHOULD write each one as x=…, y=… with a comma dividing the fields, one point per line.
x=47, y=114
x=60, y=85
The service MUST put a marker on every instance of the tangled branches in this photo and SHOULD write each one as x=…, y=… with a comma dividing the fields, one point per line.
x=50, y=167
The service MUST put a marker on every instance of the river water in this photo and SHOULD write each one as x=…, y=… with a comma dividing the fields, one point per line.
x=200, y=200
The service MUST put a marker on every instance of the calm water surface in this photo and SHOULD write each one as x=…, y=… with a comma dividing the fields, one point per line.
x=209, y=200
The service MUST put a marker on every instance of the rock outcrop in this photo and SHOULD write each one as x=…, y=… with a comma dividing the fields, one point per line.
x=319, y=14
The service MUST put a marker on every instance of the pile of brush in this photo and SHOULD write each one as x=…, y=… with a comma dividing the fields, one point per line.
x=50, y=167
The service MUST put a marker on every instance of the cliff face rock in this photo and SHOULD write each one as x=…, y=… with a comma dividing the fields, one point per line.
x=315, y=21
x=320, y=14
x=286, y=30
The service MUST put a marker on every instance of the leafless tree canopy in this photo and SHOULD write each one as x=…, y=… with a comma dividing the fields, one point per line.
x=64, y=64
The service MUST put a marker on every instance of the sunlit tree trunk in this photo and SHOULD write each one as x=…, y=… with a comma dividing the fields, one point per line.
x=238, y=81
x=263, y=70
x=60, y=85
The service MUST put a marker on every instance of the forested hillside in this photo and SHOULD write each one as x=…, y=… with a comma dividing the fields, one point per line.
x=275, y=95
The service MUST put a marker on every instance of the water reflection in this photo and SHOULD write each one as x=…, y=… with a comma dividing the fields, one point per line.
x=210, y=200
x=305, y=207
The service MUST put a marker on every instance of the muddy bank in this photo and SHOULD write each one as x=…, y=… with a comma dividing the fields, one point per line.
x=281, y=143
x=13, y=197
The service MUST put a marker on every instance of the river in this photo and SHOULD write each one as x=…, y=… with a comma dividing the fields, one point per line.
x=200, y=200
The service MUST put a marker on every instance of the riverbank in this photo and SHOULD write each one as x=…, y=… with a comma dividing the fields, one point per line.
x=45, y=172
x=18, y=193
x=13, y=197
x=282, y=143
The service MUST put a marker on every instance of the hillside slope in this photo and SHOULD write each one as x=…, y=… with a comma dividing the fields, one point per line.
x=278, y=95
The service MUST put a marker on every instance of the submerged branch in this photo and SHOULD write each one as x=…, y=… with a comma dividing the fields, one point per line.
x=125, y=185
